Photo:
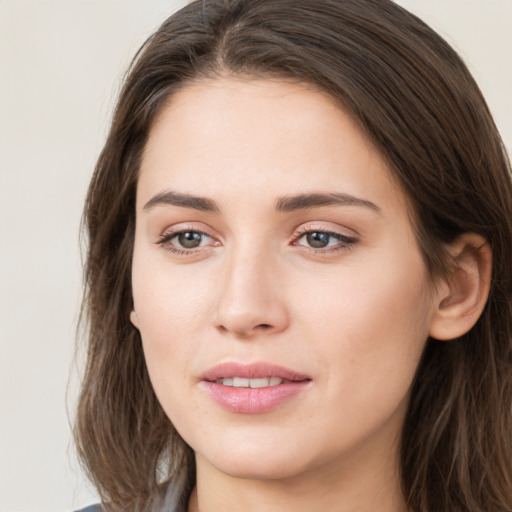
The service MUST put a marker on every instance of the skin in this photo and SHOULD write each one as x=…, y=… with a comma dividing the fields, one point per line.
x=353, y=316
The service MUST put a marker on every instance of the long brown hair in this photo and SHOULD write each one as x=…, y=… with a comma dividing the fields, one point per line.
x=418, y=103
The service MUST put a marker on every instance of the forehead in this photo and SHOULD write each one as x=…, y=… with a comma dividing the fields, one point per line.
x=227, y=136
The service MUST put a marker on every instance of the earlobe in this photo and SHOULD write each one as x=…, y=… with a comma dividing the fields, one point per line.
x=463, y=295
x=134, y=318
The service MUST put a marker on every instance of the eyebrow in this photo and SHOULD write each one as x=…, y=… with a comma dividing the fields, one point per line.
x=305, y=201
x=184, y=200
x=283, y=204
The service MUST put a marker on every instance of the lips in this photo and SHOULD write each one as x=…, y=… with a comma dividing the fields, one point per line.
x=242, y=382
x=252, y=389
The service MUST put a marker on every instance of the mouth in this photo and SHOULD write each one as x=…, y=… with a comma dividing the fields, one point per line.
x=242, y=382
x=252, y=389
x=242, y=375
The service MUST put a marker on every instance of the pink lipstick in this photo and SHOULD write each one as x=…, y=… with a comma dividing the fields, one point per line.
x=252, y=389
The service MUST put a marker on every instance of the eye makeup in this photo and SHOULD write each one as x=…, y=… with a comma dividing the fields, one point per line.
x=189, y=240
x=322, y=240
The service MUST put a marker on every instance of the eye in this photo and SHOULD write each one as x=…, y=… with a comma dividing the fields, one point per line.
x=318, y=239
x=185, y=241
x=191, y=239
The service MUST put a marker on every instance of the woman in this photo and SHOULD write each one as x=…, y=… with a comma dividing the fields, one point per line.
x=299, y=285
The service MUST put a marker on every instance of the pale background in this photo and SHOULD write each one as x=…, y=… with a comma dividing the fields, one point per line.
x=61, y=63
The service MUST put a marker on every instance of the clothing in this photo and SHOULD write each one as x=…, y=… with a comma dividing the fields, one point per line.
x=90, y=508
x=173, y=500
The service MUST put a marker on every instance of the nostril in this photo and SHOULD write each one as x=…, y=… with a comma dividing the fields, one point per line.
x=264, y=326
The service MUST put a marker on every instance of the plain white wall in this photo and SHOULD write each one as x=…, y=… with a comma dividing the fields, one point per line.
x=61, y=63
x=60, y=66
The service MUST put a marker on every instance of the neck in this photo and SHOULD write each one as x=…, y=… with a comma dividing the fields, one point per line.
x=358, y=485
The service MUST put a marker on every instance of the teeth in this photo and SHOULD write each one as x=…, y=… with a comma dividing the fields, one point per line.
x=259, y=383
x=240, y=382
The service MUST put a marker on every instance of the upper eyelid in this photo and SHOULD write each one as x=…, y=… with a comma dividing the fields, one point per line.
x=168, y=234
x=174, y=234
x=341, y=238
x=165, y=242
x=345, y=242
x=334, y=234
x=183, y=228
x=300, y=230
x=311, y=227
x=171, y=231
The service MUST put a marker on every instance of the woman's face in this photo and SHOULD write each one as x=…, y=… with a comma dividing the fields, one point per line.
x=279, y=291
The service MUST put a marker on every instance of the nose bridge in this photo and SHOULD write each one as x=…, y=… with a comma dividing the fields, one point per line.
x=250, y=299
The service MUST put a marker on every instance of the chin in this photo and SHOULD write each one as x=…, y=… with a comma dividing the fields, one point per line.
x=256, y=460
x=259, y=468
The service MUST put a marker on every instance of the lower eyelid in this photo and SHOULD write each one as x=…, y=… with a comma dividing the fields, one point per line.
x=166, y=242
x=172, y=236
x=343, y=241
x=339, y=236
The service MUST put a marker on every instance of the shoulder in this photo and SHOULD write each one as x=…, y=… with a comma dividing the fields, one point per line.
x=170, y=498
x=90, y=508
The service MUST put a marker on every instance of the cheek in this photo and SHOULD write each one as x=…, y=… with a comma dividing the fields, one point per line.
x=169, y=304
x=166, y=297
x=172, y=308
x=391, y=294
x=370, y=327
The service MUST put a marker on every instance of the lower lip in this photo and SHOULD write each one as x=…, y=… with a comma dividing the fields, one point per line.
x=253, y=400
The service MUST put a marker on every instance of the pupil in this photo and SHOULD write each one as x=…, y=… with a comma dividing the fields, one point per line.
x=317, y=240
x=190, y=239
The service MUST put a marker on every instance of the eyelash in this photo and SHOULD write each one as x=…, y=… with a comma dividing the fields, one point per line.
x=346, y=242
x=165, y=242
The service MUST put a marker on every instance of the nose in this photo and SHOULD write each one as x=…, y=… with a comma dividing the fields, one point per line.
x=251, y=300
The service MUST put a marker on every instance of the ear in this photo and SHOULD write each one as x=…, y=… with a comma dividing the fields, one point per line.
x=134, y=319
x=463, y=294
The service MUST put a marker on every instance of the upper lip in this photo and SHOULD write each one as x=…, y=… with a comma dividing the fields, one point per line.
x=256, y=370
